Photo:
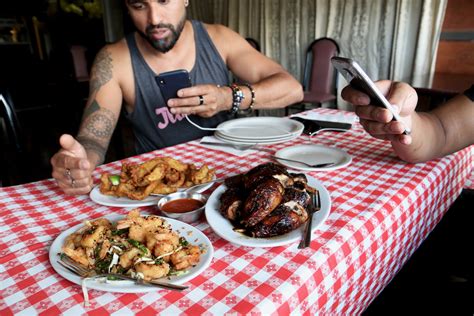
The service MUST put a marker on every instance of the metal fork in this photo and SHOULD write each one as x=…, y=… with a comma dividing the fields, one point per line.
x=316, y=165
x=313, y=208
x=84, y=272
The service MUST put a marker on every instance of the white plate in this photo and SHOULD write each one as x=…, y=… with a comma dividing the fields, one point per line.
x=192, y=235
x=225, y=229
x=109, y=200
x=260, y=128
x=313, y=154
x=255, y=141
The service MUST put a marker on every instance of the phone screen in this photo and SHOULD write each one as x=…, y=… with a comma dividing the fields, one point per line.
x=171, y=82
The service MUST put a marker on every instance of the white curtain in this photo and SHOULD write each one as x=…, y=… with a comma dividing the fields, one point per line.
x=391, y=39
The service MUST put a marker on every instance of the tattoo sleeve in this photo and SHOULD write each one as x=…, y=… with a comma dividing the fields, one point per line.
x=97, y=127
x=101, y=72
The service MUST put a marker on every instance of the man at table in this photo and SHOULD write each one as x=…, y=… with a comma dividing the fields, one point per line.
x=165, y=40
x=444, y=130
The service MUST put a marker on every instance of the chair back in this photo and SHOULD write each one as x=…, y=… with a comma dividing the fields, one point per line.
x=319, y=74
x=78, y=53
x=7, y=111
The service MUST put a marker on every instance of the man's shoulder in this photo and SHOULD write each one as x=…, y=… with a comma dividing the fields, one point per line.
x=117, y=48
x=217, y=30
x=114, y=52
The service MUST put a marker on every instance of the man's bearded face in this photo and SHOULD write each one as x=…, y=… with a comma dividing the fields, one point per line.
x=163, y=44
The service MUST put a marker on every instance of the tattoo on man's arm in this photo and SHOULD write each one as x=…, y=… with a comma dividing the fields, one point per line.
x=90, y=108
x=97, y=127
x=101, y=71
x=93, y=146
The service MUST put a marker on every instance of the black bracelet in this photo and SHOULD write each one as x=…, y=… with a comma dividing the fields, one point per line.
x=252, y=100
x=237, y=98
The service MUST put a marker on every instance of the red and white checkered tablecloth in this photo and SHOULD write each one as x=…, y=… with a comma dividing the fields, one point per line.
x=382, y=210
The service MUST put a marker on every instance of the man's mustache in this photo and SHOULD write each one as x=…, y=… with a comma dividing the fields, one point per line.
x=150, y=28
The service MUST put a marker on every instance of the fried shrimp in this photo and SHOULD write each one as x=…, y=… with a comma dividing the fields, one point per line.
x=163, y=244
x=141, y=246
x=186, y=257
x=153, y=271
x=139, y=226
x=93, y=236
x=126, y=259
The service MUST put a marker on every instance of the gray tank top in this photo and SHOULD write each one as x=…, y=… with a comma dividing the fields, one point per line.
x=154, y=126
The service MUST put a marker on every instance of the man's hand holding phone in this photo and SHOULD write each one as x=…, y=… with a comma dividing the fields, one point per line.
x=378, y=121
x=183, y=98
x=203, y=100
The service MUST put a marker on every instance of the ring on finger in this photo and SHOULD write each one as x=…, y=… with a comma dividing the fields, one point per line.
x=201, y=100
x=73, y=183
x=67, y=173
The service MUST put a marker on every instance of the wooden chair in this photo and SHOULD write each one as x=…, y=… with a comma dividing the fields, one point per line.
x=13, y=148
x=319, y=81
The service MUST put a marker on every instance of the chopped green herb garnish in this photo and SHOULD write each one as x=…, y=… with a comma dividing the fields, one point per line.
x=102, y=266
x=97, y=250
x=118, y=232
x=138, y=245
x=183, y=242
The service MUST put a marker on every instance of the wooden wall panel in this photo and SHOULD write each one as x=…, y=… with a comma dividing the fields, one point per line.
x=459, y=15
x=454, y=70
x=455, y=57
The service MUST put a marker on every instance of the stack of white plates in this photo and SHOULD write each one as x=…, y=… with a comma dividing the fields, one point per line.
x=259, y=130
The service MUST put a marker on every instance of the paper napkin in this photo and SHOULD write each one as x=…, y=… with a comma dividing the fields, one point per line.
x=223, y=146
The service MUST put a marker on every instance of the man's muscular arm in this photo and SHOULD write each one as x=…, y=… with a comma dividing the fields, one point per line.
x=98, y=121
x=74, y=163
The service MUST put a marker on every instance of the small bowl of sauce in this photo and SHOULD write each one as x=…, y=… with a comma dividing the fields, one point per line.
x=183, y=206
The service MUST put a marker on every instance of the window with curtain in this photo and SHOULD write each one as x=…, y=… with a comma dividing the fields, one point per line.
x=393, y=39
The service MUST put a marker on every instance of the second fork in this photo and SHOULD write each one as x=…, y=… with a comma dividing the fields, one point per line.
x=83, y=272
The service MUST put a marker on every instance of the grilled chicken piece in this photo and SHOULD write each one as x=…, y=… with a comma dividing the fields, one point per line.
x=285, y=218
x=235, y=181
x=297, y=195
x=299, y=177
x=261, y=172
x=301, y=182
x=262, y=200
x=231, y=202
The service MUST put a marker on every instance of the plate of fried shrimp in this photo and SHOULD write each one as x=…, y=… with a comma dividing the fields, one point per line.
x=144, y=246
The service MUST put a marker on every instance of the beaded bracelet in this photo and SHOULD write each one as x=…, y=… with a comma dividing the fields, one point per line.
x=237, y=98
x=252, y=100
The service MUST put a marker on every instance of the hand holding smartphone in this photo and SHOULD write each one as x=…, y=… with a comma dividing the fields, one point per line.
x=359, y=80
x=172, y=81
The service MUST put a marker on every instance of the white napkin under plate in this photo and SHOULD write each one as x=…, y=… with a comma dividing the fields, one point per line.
x=227, y=149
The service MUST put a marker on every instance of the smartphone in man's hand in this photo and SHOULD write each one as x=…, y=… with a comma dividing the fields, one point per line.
x=172, y=81
x=358, y=79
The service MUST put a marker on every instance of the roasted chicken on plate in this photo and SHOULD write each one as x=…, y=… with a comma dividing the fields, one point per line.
x=266, y=201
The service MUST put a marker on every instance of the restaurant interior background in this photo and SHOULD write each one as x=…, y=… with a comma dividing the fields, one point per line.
x=47, y=48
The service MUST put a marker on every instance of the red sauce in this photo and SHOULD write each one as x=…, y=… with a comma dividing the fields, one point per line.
x=181, y=205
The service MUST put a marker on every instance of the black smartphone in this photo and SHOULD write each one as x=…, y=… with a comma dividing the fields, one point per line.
x=357, y=78
x=171, y=81
x=312, y=126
